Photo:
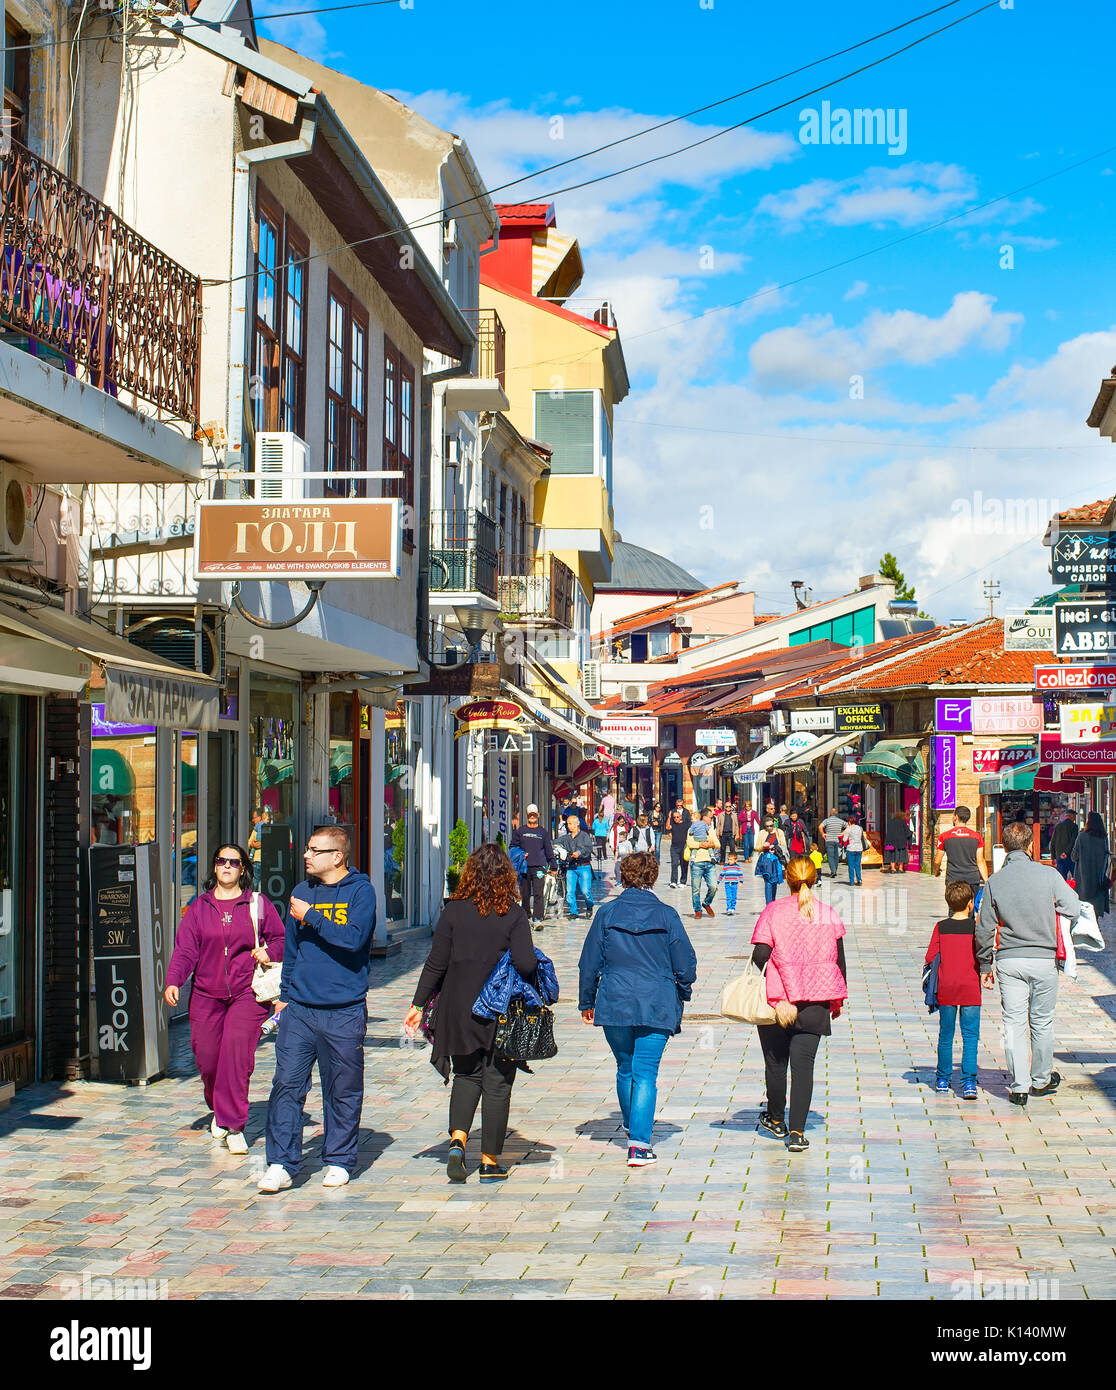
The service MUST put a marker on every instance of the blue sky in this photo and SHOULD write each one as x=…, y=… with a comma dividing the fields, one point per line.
x=926, y=399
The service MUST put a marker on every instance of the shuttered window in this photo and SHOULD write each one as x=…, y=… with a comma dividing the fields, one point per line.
x=566, y=423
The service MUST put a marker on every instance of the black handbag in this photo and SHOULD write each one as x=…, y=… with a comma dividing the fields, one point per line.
x=525, y=1033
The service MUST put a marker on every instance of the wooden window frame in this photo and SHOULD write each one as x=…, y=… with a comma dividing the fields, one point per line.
x=347, y=448
x=279, y=364
x=17, y=98
x=399, y=435
x=292, y=354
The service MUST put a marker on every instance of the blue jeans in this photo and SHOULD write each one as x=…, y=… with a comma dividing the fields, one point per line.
x=638, y=1052
x=769, y=891
x=335, y=1038
x=730, y=896
x=748, y=844
x=698, y=873
x=658, y=844
x=853, y=857
x=581, y=876
x=970, y=1035
x=833, y=854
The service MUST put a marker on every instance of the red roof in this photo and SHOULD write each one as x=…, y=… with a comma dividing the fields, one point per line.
x=543, y=213
x=972, y=655
x=488, y=279
x=1090, y=513
x=659, y=611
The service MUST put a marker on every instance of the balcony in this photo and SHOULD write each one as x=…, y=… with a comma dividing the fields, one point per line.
x=537, y=589
x=484, y=389
x=94, y=321
x=463, y=563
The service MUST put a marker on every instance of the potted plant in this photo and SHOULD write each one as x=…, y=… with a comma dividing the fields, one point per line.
x=458, y=853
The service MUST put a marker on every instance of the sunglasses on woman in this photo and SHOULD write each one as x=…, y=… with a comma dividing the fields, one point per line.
x=237, y=863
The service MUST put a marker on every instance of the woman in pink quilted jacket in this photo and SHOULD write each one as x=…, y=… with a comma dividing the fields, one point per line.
x=798, y=939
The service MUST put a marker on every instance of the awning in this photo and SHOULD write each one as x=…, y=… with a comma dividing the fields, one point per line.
x=758, y=768
x=712, y=764
x=561, y=688
x=824, y=746
x=548, y=722
x=1029, y=777
x=896, y=759
x=111, y=773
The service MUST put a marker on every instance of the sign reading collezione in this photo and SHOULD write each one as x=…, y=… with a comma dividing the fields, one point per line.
x=316, y=539
x=1092, y=677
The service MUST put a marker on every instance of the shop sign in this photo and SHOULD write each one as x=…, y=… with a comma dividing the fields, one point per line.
x=511, y=743
x=715, y=738
x=798, y=743
x=499, y=801
x=1087, y=558
x=466, y=678
x=1099, y=756
x=944, y=755
x=668, y=736
x=672, y=760
x=317, y=539
x=1098, y=676
x=487, y=714
x=699, y=759
x=855, y=719
x=850, y=765
x=173, y=702
x=988, y=760
x=1084, y=629
x=636, y=757
x=632, y=730
x=814, y=719
x=1086, y=723
x=1031, y=631
x=953, y=716
x=1011, y=714
x=756, y=735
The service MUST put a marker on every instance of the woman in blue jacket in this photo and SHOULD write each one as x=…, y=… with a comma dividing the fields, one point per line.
x=637, y=967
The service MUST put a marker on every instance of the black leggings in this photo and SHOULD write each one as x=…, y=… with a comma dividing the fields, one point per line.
x=781, y=1045
x=531, y=894
x=479, y=1076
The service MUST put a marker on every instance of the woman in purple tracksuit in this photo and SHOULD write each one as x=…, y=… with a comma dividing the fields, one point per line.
x=216, y=945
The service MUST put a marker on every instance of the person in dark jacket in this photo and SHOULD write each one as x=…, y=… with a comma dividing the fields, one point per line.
x=330, y=923
x=1062, y=842
x=577, y=846
x=954, y=942
x=1090, y=861
x=535, y=842
x=897, y=844
x=636, y=968
x=216, y=944
x=481, y=921
x=678, y=829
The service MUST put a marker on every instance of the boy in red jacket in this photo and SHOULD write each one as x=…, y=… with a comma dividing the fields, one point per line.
x=958, y=989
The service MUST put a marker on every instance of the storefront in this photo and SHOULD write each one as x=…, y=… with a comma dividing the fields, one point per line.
x=894, y=772
x=400, y=733
x=1026, y=794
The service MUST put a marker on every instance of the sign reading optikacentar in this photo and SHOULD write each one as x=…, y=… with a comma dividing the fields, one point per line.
x=316, y=539
x=1084, y=557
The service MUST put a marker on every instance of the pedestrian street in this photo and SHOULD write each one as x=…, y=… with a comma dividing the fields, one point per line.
x=902, y=1195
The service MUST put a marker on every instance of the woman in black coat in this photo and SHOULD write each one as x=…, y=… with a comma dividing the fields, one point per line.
x=483, y=919
x=897, y=844
x=1090, y=862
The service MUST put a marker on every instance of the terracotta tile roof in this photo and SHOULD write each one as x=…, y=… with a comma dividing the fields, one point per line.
x=524, y=212
x=972, y=655
x=1092, y=513
x=660, y=611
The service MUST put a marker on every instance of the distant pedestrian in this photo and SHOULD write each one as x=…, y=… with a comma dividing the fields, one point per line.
x=703, y=844
x=577, y=847
x=642, y=837
x=732, y=876
x=679, y=829
x=725, y=824
x=1090, y=864
x=797, y=835
x=608, y=808
x=623, y=849
x=829, y=834
x=799, y=940
x=330, y=923
x=748, y=822
x=782, y=820
x=482, y=920
x=636, y=970
x=216, y=944
x=1017, y=934
x=954, y=942
x=536, y=844
x=962, y=852
x=855, y=842
x=1062, y=842
x=897, y=844
x=657, y=821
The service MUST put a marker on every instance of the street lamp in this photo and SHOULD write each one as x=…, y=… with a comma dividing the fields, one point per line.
x=475, y=623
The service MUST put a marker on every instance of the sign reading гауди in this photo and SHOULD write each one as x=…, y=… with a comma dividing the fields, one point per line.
x=316, y=539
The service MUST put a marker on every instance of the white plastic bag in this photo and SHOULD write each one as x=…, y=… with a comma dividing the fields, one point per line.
x=1085, y=931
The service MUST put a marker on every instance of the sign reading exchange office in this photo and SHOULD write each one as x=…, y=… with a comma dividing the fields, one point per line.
x=855, y=719
x=316, y=539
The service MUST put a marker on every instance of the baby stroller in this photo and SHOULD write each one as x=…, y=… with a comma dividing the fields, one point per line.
x=550, y=893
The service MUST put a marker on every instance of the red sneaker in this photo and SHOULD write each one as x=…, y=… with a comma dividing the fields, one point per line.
x=709, y=910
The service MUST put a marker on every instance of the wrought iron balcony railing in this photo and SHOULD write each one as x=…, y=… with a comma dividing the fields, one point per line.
x=537, y=588
x=82, y=288
x=464, y=556
x=491, y=339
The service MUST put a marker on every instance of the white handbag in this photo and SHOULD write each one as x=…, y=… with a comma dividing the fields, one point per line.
x=745, y=998
x=266, y=979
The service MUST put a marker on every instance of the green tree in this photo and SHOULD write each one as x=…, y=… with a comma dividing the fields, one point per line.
x=889, y=569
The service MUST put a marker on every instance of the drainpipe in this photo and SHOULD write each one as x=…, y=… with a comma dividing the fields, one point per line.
x=432, y=383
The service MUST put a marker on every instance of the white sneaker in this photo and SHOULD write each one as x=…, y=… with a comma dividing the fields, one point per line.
x=236, y=1142
x=334, y=1177
x=216, y=1130
x=275, y=1179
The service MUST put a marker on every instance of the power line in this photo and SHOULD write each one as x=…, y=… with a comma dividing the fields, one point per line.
x=861, y=443
x=640, y=164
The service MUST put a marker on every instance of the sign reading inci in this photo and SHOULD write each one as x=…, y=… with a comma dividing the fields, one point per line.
x=487, y=714
x=1086, y=723
x=812, y=719
x=318, y=539
x=1032, y=631
x=1085, y=557
x=989, y=760
x=1084, y=629
x=1006, y=714
x=715, y=738
x=855, y=719
x=631, y=730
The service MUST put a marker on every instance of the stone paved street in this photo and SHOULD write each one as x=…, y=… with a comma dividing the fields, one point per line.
x=902, y=1194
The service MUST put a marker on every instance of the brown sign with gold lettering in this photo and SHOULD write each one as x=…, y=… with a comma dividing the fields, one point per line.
x=316, y=539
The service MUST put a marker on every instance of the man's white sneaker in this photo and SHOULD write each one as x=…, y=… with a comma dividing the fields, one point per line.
x=216, y=1130
x=275, y=1179
x=334, y=1177
x=236, y=1142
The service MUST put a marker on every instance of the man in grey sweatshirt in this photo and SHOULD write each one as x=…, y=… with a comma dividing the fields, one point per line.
x=1018, y=925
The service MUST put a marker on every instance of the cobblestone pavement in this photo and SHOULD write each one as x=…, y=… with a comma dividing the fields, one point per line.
x=903, y=1194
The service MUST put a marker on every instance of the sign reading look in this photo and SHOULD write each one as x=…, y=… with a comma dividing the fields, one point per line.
x=317, y=539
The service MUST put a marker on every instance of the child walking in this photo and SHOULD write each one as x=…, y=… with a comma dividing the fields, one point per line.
x=732, y=876
x=958, y=989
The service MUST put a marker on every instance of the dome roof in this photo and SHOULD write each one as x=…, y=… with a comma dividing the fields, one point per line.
x=634, y=568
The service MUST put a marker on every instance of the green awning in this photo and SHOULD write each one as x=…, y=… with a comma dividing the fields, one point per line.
x=1020, y=779
x=895, y=760
x=111, y=773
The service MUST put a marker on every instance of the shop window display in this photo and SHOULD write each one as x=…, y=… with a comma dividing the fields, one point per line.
x=397, y=807
x=273, y=766
x=122, y=781
x=12, y=853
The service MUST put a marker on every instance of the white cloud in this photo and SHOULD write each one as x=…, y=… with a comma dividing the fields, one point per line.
x=907, y=195
x=856, y=289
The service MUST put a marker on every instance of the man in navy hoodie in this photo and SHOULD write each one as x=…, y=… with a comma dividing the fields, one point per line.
x=325, y=979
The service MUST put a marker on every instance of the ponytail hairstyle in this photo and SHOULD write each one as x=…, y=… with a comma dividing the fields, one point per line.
x=801, y=875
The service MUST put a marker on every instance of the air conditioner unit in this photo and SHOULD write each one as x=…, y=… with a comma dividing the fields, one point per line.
x=17, y=535
x=282, y=458
x=633, y=694
x=683, y=622
x=591, y=680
